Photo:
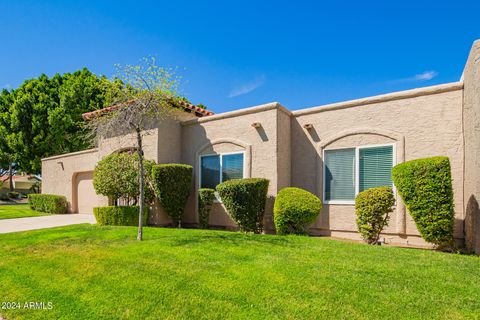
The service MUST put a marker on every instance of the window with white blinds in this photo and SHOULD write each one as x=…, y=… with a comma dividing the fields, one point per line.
x=218, y=168
x=342, y=182
x=340, y=174
x=375, y=167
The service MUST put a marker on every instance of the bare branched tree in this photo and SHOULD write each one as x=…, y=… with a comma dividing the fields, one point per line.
x=143, y=95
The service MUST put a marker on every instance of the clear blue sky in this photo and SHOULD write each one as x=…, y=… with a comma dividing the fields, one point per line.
x=235, y=54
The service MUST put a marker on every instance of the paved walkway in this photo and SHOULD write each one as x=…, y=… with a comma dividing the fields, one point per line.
x=33, y=223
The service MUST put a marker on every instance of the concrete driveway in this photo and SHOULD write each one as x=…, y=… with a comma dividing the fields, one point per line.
x=33, y=223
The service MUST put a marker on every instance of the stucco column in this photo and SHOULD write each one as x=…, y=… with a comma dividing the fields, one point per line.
x=401, y=210
x=471, y=128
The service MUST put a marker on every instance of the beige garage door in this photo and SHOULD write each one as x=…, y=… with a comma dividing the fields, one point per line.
x=86, y=196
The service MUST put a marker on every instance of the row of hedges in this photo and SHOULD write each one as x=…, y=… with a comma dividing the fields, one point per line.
x=119, y=215
x=424, y=185
x=245, y=200
x=49, y=203
x=116, y=177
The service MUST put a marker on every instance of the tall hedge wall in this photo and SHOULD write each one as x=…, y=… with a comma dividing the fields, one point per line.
x=172, y=184
x=425, y=186
x=245, y=200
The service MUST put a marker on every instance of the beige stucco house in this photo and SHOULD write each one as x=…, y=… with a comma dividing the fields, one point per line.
x=334, y=151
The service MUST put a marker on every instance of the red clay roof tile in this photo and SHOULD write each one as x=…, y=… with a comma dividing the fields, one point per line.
x=199, y=112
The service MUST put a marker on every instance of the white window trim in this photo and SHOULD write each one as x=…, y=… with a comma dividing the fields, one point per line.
x=217, y=197
x=357, y=170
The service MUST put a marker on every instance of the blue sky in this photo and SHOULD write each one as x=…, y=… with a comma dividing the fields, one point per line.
x=235, y=54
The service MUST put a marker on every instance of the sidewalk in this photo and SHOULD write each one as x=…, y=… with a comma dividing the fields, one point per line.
x=33, y=223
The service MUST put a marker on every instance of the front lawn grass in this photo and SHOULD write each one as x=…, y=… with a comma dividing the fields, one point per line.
x=19, y=211
x=91, y=272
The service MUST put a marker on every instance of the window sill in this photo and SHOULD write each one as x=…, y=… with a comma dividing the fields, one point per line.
x=339, y=202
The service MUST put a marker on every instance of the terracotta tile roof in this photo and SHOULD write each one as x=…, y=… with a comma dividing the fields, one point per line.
x=188, y=107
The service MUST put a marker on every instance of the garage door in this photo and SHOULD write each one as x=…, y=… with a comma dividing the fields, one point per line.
x=86, y=196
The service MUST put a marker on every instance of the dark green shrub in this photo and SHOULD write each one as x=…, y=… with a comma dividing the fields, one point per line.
x=4, y=197
x=294, y=210
x=425, y=186
x=172, y=184
x=13, y=195
x=205, y=202
x=49, y=203
x=373, y=207
x=117, y=177
x=119, y=215
x=245, y=200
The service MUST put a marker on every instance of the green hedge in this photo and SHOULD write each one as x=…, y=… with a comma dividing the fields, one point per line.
x=425, y=186
x=373, y=207
x=119, y=215
x=49, y=203
x=205, y=202
x=172, y=184
x=245, y=200
x=294, y=210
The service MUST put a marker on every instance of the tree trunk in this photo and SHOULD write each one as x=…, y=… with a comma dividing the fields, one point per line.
x=10, y=175
x=142, y=182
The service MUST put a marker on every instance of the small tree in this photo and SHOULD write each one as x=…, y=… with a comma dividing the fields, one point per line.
x=116, y=177
x=206, y=197
x=145, y=94
x=373, y=207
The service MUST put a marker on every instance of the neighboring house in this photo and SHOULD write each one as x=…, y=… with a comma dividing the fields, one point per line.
x=21, y=183
x=334, y=151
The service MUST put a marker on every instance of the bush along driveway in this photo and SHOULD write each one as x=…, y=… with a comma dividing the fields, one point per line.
x=91, y=272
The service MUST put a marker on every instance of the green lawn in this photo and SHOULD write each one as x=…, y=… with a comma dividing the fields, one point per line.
x=18, y=211
x=90, y=272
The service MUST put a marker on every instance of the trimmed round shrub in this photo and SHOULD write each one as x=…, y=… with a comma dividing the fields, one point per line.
x=117, y=177
x=373, y=207
x=294, y=210
x=49, y=203
x=119, y=215
x=425, y=186
x=205, y=202
x=172, y=184
x=245, y=201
